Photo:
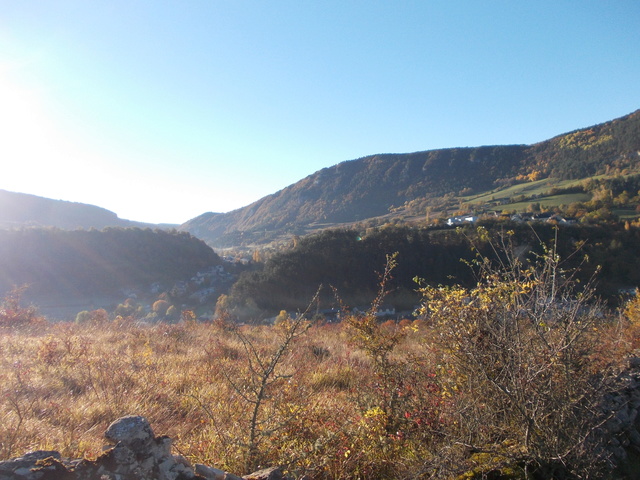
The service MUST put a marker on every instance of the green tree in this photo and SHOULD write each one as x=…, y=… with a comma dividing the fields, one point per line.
x=172, y=312
x=83, y=317
x=283, y=316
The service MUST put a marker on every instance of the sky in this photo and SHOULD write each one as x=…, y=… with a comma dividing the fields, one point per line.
x=163, y=110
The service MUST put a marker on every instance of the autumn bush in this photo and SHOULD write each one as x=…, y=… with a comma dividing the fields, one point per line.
x=523, y=351
x=13, y=314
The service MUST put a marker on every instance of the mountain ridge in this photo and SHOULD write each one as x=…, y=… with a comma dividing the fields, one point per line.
x=27, y=210
x=408, y=183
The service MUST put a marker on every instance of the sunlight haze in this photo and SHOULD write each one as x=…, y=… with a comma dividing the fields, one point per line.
x=161, y=111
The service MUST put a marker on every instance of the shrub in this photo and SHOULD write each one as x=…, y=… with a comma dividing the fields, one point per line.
x=94, y=317
x=520, y=351
x=12, y=314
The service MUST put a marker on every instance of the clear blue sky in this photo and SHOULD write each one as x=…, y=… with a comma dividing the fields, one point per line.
x=163, y=110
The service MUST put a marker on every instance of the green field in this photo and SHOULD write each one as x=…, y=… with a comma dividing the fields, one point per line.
x=538, y=192
x=626, y=213
x=539, y=187
x=551, y=201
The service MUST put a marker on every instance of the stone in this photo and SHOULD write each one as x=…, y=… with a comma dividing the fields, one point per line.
x=634, y=436
x=135, y=454
x=52, y=469
x=130, y=430
x=22, y=471
x=623, y=417
x=183, y=461
x=123, y=455
x=614, y=425
x=161, y=447
x=231, y=476
x=28, y=459
x=619, y=453
x=165, y=470
x=273, y=473
x=209, y=473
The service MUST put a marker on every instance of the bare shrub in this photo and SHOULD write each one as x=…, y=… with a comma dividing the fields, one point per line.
x=520, y=354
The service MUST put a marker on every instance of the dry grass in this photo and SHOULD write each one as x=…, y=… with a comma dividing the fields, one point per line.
x=62, y=384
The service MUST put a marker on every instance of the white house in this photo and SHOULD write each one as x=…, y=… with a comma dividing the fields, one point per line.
x=462, y=219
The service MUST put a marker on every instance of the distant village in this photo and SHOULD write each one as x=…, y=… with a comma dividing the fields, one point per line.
x=549, y=217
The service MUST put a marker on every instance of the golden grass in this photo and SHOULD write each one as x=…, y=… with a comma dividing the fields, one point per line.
x=62, y=384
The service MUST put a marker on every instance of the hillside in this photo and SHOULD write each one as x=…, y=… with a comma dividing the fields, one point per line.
x=24, y=210
x=349, y=261
x=398, y=185
x=67, y=268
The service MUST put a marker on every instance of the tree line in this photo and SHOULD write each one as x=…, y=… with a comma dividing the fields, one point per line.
x=348, y=261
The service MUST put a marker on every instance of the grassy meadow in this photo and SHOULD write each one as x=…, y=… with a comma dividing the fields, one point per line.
x=357, y=399
x=538, y=188
x=62, y=384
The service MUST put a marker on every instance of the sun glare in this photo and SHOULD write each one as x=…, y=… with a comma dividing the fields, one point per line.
x=28, y=140
x=37, y=155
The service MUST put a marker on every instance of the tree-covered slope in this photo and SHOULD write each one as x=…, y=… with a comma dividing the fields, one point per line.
x=80, y=262
x=348, y=260
x=373, y=186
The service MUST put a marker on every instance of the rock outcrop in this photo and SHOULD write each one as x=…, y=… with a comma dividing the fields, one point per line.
x=621, y=407
x=134, y=453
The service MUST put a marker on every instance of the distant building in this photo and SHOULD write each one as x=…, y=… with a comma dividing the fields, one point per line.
x=331, y=314
x=459, y=220
x=382, y=311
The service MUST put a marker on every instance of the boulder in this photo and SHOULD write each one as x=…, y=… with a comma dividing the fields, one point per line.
x=130, y=430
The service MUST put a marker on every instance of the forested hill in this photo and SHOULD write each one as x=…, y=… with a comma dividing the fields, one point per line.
x=349, y=261
x=60, y=263
x=21, y=209
x=375, y=185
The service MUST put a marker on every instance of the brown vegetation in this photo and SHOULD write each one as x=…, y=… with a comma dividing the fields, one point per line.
x=505, y=376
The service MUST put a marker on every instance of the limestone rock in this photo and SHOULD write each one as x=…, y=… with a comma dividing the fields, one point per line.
x=130, y=430
x=231, y=476
x=273, y=473
x=28, y=459
x=209, y=473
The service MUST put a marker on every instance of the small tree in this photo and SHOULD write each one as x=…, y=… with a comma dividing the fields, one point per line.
x=378, y=343
x=83, y=316
x=264, y=373
x=93, y=317
x=172, y=312
x=160, y=307
x=400, y=402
